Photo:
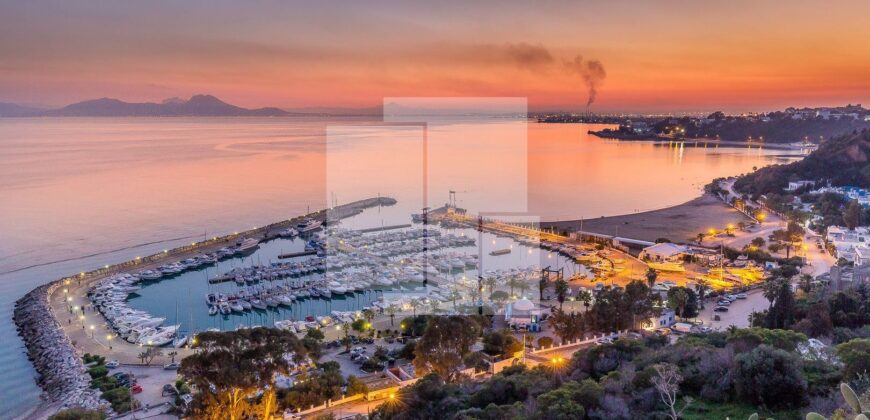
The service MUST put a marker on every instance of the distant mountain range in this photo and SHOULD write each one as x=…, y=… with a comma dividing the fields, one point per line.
x=196, y=106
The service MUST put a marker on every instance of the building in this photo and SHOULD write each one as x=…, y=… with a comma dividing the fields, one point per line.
x=523, y=313
x=796, y=185
x=847, y=243
x=665, y=320
x=663, y=252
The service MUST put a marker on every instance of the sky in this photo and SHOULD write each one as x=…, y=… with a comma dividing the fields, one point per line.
x=647, y=56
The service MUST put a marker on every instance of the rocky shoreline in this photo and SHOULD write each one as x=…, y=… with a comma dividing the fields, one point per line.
x=62, y=375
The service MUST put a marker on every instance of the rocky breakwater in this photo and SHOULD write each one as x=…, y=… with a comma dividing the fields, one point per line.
x=62, y=375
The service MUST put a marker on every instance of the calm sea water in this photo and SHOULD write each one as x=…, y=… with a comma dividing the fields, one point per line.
x=79, y=193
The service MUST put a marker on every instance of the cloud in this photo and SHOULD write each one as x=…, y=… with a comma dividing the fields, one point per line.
x=529, y=56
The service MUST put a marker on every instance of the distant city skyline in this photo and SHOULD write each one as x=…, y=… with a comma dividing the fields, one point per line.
x=641, y=57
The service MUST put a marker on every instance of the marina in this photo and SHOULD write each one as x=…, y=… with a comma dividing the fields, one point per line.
x=332, y=275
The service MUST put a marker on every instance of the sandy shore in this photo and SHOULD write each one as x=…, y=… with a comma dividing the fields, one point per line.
x=680, y=223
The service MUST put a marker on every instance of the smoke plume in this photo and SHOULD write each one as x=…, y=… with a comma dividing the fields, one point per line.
x=592, y=72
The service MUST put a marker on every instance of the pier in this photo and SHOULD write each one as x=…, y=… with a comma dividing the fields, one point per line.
x=296, y=254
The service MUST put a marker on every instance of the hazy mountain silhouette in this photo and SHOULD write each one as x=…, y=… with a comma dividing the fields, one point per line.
x=196, y=106
x=14, y=110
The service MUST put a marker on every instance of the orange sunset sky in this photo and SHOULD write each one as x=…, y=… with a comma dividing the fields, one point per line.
x=658, y=56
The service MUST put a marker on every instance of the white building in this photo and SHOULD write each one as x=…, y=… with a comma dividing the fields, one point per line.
x=523, y=313
x=848, y=243
x=663, y=252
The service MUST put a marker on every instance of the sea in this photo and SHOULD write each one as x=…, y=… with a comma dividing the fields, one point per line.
x=80, y=193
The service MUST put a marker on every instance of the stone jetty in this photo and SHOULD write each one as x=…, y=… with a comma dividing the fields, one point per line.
x=62, y=374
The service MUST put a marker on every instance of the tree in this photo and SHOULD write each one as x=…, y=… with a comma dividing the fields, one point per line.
x=852, y=215
x=561, y=289
x=446, y=340
x=683, y=301
x=781, y=314
x=758, y=242
x=567, y=327
x=701, y=287
x=700, y=238
x=769, y=376
x=149, y=354
x=356, y=386
x=392, y=309
x=855, y=355
x=640, y=305
x=490, y=283
x=586, y=297
x=360, y=325
x=651, y=276
x=558, y=405
x=172, y=355
x=501, y=343
x=667, y=382
x=230, y=367
x=545, y=341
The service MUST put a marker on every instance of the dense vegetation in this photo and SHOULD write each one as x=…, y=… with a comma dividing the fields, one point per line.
x=843, y=160
x=732, y=373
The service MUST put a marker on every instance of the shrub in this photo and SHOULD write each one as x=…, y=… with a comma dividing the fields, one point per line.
x=770, y=377
x=98, y=372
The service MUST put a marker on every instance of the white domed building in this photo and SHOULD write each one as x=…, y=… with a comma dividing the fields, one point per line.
x=524, y=313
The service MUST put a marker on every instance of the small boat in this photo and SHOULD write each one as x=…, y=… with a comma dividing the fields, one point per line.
x=213, y=310
x=179, y=342
x=247, y=245
x=498, y=252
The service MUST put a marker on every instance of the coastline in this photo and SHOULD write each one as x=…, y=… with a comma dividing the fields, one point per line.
x=55, y=352
x=679, y=223
x=694, y=142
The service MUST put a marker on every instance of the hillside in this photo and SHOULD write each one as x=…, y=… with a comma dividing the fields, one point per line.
x=196, y=106
x=843, y=160
x=13, y=110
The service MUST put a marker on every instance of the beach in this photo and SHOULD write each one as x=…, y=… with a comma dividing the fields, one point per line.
x=681, y=223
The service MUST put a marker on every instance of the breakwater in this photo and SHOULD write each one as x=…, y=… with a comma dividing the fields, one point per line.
x=61, y=373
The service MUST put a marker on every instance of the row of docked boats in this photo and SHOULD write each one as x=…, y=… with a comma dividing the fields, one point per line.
x=109, y=297
x=242, y=247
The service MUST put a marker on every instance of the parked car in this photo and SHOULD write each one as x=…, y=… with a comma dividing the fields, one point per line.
x=721, y=309
x=169, y=389
x=663, y=331
x=136, y=389
x=172, y=366
x=111, y=364
x=741, y=296
x=723, y=302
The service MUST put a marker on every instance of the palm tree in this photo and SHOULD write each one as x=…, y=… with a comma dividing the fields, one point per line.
x=523, y=285
x=678, y=301
x=700, y=238
x=701, y=288
x=561, y=288
x=512, y=282
x=391, y=310
x=414, y=305
x=586, y=297
x=172, y=355
x=490, y=282
x=651, y=276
